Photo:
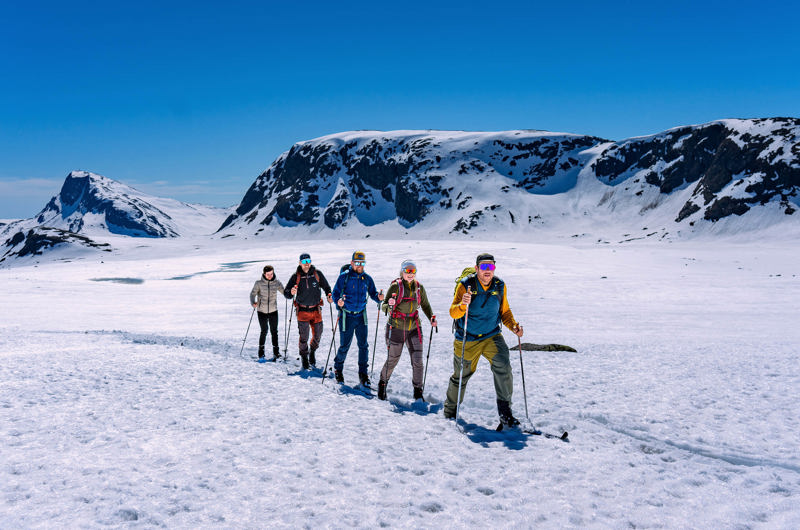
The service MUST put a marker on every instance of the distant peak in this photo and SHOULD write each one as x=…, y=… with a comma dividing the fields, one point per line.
x=81, y=174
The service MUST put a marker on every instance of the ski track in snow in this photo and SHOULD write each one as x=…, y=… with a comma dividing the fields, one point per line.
x=681, y=401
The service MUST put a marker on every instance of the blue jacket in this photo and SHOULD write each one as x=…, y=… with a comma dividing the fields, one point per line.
x=356, y=289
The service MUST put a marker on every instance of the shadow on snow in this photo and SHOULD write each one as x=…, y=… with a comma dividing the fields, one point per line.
x=511, y=438
x=314, y=373
x=422, y=408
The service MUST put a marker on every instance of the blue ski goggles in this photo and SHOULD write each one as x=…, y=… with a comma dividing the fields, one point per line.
x=305, y=261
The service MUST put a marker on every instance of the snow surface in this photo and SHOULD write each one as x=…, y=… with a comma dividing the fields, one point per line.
x=124, y=400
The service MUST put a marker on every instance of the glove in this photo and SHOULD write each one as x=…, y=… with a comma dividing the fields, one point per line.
x=392, y=301
x=433, y=322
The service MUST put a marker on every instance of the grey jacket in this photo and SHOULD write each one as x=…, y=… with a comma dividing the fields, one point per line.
x=266, y=292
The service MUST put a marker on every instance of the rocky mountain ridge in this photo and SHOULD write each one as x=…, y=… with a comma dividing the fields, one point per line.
x=461, y=181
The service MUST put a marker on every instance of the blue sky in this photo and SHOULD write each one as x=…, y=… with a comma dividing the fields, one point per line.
x=193, y=100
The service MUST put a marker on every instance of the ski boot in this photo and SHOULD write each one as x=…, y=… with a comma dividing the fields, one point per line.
x=418, y=393
x=304, y=359
x=506, y=418
x=365, y=380
x=339, y=376
x=382, y=390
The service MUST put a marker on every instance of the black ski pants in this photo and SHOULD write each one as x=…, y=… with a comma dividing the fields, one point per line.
x=268, y=321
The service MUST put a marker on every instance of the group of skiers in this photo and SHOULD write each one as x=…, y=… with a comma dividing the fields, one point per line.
x=479, y=307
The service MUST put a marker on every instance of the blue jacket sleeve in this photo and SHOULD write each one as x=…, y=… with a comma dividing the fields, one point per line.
x=337, y=289
x=373, y=293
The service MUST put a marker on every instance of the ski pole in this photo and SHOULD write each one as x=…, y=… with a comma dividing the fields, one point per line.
x=330, y=349
x=333, y=327
x=375, y=343
x=430, y=339
x=285, y=322
x=522, y=369
x=248, y=331
x=286, y=344
x=463, y=347
x=389, y=329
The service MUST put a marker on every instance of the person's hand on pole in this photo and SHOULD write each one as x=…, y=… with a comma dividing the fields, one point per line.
x=466, y=298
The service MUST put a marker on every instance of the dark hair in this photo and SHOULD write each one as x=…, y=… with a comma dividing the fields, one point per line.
x=268, y=268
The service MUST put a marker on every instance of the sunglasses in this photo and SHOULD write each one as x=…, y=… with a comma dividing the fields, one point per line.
x=359, y=263
x=486, y=266
x=305, y=261
x=410, y=270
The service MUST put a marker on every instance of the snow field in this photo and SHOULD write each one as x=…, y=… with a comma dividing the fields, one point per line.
x=127, y=404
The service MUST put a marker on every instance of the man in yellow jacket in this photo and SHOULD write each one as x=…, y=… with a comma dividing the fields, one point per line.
x=480, y=305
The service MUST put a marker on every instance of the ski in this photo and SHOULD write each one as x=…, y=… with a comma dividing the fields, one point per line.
x=536, y=432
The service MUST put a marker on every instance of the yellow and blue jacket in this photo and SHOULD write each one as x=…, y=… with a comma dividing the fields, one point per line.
x=487, y=310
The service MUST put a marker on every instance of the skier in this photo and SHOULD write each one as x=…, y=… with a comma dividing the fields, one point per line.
x=352, y=289
x=404, y=297
x=305, y=286
x=264, y=297
x=482, y=298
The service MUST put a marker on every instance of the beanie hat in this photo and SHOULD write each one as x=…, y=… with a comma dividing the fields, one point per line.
x=359, y=256
x=304, y=255
x=484, y=257
x=407, y=263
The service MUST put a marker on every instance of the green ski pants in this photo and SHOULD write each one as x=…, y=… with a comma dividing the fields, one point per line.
x=496, y=352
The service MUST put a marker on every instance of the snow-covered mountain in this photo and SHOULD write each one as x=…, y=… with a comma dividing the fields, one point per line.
x=724, y=177
x=447, y=183
x=91, y=206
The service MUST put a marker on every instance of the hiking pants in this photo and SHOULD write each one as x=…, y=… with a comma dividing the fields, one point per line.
x=268, y=321
x=309, y=322
x=353, y=323
x=395, y=339
x=496, y=352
